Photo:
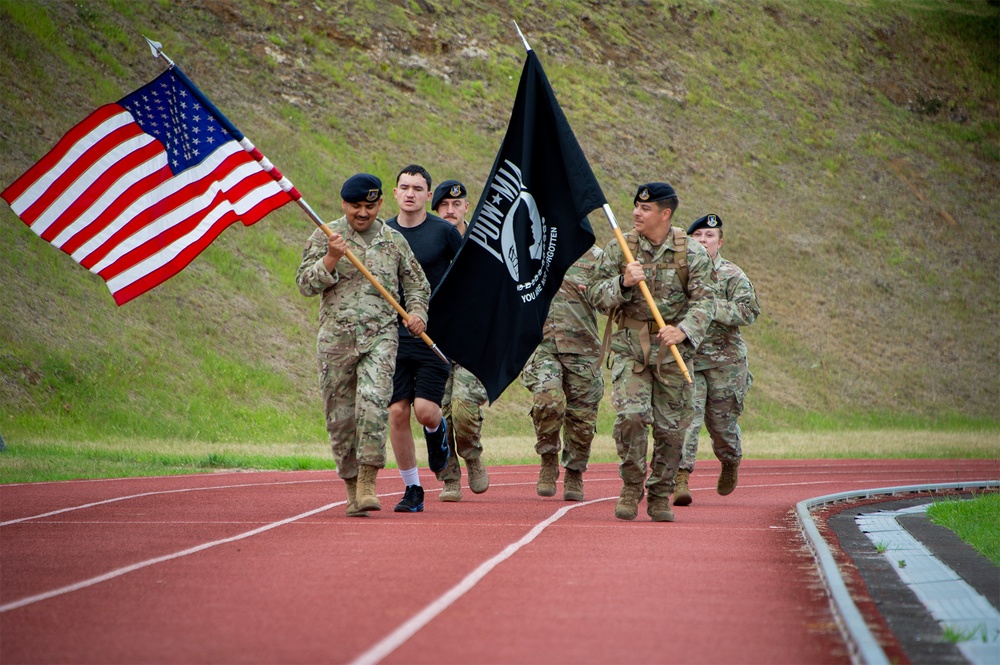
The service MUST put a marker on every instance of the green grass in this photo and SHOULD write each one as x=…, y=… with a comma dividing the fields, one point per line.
x=113, y=454
x=956, y=635
x=974, y=520
x=791, y=119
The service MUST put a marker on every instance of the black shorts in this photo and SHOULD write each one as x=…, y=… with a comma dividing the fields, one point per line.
x=419, y=372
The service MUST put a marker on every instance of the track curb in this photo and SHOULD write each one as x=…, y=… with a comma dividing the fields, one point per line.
x=861, y=643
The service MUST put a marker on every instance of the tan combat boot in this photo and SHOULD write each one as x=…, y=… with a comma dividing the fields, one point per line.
x=659, y=510
x=367, y=498
x=352, y=498
x=728, y=478
x=479, y=480
x=548, y=475
x=682, y=494
x=573, y=486
x=627, y=506
x=452, y=491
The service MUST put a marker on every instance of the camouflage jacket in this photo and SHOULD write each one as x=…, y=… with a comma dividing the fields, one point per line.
x=353, y=313
x=736, y=306
x=572, y=321
x=691, y=311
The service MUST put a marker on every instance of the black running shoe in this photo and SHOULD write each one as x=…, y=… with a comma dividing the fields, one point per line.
x=413, y=500
x=437, y=447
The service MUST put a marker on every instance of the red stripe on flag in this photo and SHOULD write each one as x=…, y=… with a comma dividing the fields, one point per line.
x=182, y=227
x=168, y=270
x=52, y=157
x=181, y=261
x=103, y=148
x=121, y=166
x=163, y=207
x=136, y=191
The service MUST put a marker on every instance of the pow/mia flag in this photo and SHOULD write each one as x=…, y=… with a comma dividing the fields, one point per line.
x=529, y=227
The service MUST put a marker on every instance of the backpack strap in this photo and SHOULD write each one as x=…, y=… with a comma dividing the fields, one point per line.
x=680, y=262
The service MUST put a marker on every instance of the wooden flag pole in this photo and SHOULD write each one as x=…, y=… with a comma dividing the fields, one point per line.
x=645, y=289
x=287, y=186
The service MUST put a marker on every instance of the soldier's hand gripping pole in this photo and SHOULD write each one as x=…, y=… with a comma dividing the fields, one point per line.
x=370, y=277
x=644, y=288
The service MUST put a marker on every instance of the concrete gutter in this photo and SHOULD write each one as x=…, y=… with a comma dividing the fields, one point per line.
x=863, y=646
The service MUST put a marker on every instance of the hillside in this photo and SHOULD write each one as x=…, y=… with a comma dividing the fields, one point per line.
x=852, y=148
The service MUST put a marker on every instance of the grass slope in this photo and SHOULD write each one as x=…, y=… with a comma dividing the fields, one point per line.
x=853, y=150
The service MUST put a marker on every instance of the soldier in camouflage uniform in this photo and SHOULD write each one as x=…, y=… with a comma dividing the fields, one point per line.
x=564, y=377
x=649, y=389
x=721, y=374
x=358, y=333
x=464, y=394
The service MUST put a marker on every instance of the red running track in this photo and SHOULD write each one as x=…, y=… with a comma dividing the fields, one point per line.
x=266, y=568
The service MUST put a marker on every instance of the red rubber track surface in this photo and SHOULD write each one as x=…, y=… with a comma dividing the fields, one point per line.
x=266, y=568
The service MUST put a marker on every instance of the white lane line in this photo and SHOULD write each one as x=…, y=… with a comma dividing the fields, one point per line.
x=399, y=636
x=143, y=494
x=950, y=599
x=160, y=559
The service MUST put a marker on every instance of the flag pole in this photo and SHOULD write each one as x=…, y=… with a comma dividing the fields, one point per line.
x=629, y=259
x=289, y=188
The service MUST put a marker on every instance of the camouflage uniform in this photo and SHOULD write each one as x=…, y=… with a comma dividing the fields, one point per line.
x=564, y=372
x=462, y=407
x=358, y=336
x=643, y=393
x=721, y=374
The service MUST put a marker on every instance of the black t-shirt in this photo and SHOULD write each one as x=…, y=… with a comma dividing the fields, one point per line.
x=435, y=243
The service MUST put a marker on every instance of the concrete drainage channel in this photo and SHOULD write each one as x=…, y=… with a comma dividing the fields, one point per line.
x=862, y=643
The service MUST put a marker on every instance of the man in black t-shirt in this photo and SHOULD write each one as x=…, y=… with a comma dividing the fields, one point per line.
x=419, y=381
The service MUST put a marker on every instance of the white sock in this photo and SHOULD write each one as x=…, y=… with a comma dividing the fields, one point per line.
x=410, y=476
x=431, y=431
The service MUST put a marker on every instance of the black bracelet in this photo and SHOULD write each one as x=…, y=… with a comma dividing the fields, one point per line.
x=621, y=282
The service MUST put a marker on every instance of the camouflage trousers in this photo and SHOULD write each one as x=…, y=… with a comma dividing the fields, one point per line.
x=644, y=398
x=719, y=393
x=462, y=407
x=566, y=389
x=356, y=389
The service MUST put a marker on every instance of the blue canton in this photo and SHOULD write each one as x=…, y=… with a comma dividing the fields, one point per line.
x=165, y=109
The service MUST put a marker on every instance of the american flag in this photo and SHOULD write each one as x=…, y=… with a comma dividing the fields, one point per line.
x=139, y=188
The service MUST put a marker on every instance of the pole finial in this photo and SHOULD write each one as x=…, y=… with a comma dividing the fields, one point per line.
x=157, y=49
x=525, y=41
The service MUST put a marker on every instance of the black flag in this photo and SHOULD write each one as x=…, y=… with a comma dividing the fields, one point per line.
x=529, y=227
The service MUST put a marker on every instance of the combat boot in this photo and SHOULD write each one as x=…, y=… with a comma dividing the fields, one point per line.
x=627, y=506
x=682, y=494
x=728, y=478
x=548, y=475
x=573, y=486
x=479, y=479
x=452, y=491
x=367, y=498
x=352, y=498
x=659, y=510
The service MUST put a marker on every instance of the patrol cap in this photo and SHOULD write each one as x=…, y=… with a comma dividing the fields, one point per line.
x=361, y=187
x=449, y=189
x=709, y=221
x=654, y=191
